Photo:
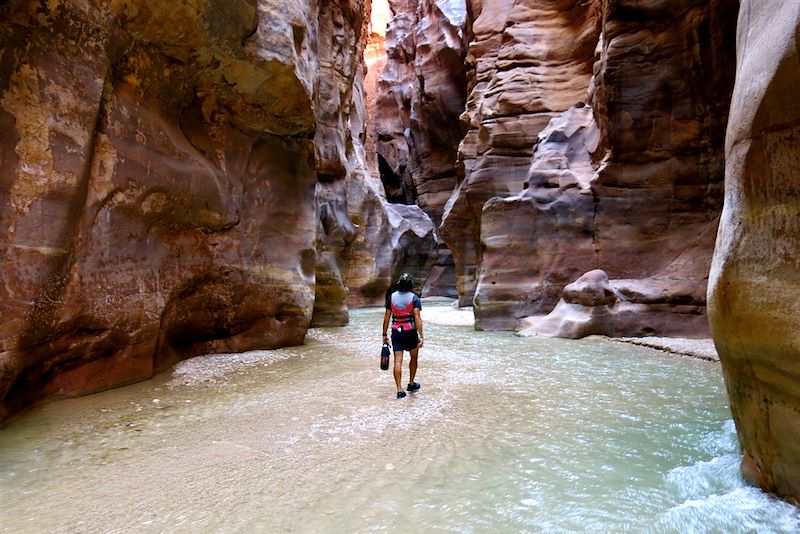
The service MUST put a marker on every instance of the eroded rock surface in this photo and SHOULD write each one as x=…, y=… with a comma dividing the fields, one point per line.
x=363, y=241
x=528, y=62
x=754, y=289
x=391, y=239
x=159, y=175
x=340, y=115
x=631, y=185
x=595, y=305
x=421, y=94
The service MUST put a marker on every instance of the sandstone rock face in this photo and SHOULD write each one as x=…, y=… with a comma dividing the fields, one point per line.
x=159, y=177
x=340, y=119
x=632, y=185
x=528, y=61
x=536, y=242
x=363, y=242
x=391, y=239
x=595, y=305
x=422, y=93
x=754, y=288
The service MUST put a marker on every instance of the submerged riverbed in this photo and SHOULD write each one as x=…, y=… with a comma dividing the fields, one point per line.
x=507, y=434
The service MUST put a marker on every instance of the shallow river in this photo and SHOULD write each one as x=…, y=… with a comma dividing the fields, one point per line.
x=507, y=434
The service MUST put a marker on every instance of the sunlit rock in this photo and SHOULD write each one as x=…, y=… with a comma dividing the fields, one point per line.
x=754, y=288
x=422, y=92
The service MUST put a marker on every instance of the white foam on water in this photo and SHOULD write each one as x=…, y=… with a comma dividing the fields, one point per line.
x=742, y=510
x=715, y=497
x=698, y=481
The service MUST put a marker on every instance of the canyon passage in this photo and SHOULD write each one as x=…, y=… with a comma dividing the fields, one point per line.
x=186, y=178
x=507, y=434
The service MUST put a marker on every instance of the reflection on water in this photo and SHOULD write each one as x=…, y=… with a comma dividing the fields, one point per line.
x=507, y=434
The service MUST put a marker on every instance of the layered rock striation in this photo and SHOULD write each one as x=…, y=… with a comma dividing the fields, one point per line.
x=755, y=276
x=528, y=62
x=421, y=94
x=630, y=184
x=159, y=181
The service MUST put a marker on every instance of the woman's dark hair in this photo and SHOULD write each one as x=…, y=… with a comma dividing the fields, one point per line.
x=405, y=282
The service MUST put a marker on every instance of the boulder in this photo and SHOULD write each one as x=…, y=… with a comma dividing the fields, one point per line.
x=595, y=305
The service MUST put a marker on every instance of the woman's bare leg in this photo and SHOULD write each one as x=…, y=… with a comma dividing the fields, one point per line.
x=398, y=370
x=412, y=365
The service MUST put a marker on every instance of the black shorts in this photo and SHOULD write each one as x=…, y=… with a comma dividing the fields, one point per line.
x=404, y=340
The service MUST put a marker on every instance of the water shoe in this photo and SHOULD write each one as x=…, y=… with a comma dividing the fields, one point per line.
x=413, y=387
x=401, y=394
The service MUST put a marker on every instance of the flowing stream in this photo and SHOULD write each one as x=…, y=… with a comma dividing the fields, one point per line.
x=507, y=434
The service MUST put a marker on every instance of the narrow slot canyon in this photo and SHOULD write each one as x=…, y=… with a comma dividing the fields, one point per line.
x=188, y=179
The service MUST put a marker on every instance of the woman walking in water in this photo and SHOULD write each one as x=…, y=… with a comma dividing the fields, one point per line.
x=402, y=307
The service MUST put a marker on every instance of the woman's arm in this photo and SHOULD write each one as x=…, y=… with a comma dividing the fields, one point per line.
x=418, y=322
x=386, y=317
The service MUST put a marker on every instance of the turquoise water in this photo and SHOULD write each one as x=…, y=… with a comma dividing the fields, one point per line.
x=507, y=434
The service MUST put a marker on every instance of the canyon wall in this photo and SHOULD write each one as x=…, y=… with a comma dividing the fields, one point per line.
x=158, y=171
x=595, y=142
x=528, y=61
x=421, y=94
x=754, y=288
x=343, y=32
x=363, y=242
x=175, y=181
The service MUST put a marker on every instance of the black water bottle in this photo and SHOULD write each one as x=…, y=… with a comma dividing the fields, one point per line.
x=385, y=356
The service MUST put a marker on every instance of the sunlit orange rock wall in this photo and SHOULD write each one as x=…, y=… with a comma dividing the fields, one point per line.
x=754, y=288
x=158, y=173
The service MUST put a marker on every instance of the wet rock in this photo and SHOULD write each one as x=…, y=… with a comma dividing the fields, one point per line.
x=754, y=284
